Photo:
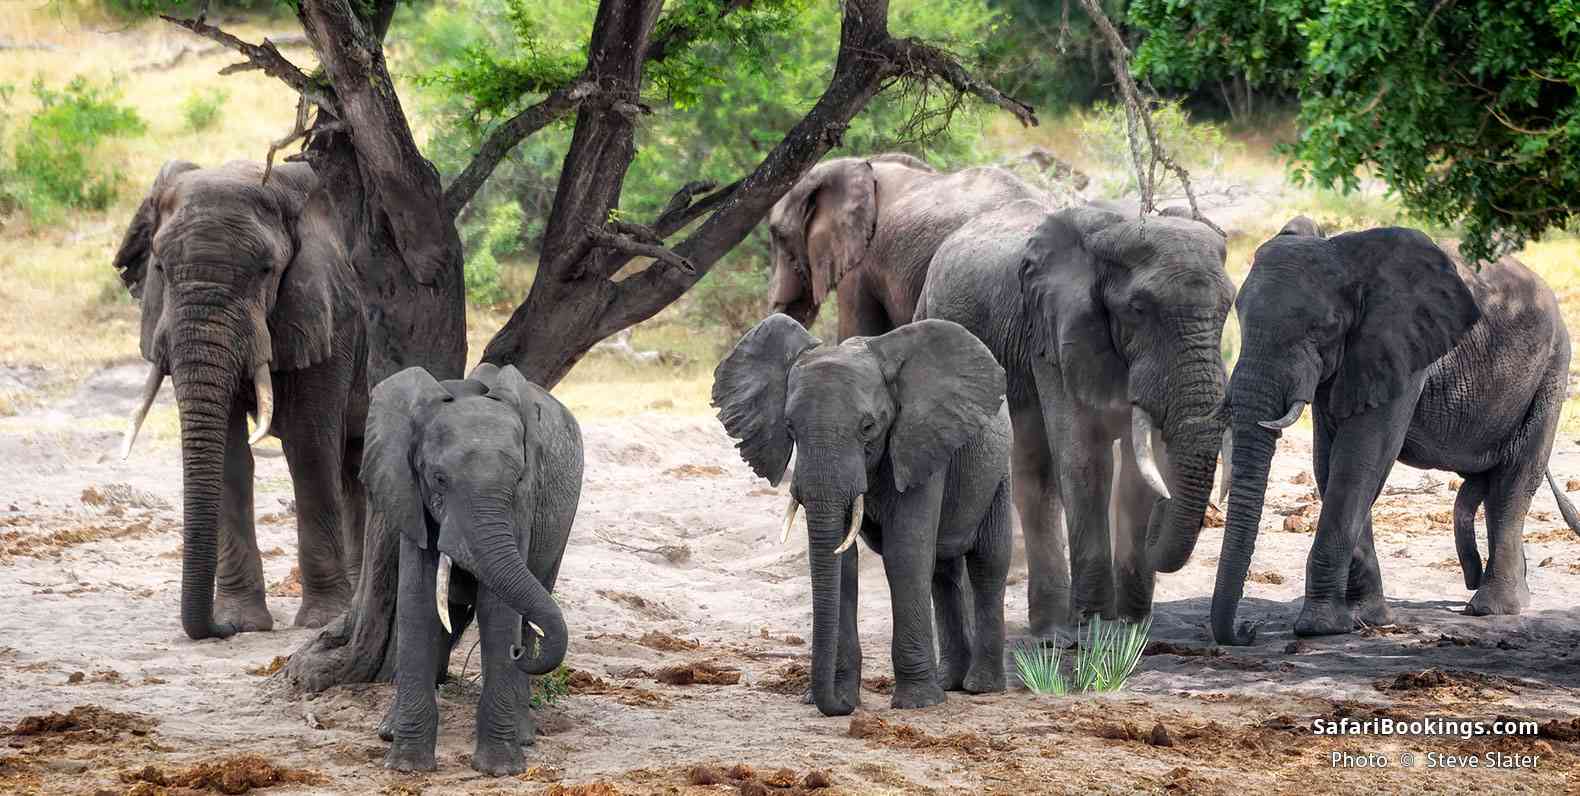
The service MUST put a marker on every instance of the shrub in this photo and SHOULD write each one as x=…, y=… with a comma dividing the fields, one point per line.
x=1108, y=653
x=1199, y=148
x=497, y=235
x=203, y=108
x=52, y=157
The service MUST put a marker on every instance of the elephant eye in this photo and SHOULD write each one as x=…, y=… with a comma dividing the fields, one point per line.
x=868, y=426
x=1138, y=306
x=441, y=481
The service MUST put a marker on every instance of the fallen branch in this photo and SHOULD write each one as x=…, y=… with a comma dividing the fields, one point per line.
x=265, y=57
x=674, y=554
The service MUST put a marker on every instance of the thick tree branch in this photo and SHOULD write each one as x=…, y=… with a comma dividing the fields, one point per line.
x=635, y=246
x=505, y=137
x=265, y=57
x=683, y=208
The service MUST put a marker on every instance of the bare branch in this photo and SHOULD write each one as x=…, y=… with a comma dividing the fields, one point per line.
x=627, y=244
x=915, y=58
x=298, y=131
x=558, y=104
x=684, y=209
x=265, y=57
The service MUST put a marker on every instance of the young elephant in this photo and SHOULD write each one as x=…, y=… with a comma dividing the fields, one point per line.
x=486, y=473
x=902, y=437
x=1402, y=354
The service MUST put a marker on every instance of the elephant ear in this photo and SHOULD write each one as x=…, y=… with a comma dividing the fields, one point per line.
x=1412, y=308
x=1061, y=287
x=399, y=407
x=840, y=217
x=749, y=388
x=948, y=387
x=134, y=261
x=302, y=323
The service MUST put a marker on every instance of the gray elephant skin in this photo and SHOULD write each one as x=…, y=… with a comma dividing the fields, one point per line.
x=867, y=228
x=481, y=478
x=1403, y=354
x=902, y=437
x=1108, y=329
x=249, y=305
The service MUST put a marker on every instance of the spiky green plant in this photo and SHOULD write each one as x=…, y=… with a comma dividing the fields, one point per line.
x=1041, y=668
x=1107, y=654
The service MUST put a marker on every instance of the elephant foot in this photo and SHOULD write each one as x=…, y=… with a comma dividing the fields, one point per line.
x=320, y=610
x=1499, y=598
x=910, y=694
x=1324, y=619
x=985, y=677
x=1049, y=615
x=410, y=757
x=526, y=728
x=953, y=675
x=246, y=612
x=498, y=759
x=386, y=728
x=1372, y=611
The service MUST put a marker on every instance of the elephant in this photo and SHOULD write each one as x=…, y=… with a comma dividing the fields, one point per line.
x=868, y=227
x=1403, y=354
x=250, y=305
x=1109, y=330
x=903, y=438
x=481, y=477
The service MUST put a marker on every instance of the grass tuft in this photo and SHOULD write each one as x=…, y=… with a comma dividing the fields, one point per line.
x=1107, y=654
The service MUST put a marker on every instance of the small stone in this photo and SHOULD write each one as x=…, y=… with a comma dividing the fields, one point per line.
x=1160, y=736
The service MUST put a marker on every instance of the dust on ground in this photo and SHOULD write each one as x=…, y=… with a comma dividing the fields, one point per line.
x=689, y=670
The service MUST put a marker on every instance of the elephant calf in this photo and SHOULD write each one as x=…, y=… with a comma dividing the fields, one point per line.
x=481, y=478
x=903, y=438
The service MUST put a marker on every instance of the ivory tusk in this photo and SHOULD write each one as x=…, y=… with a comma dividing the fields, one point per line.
x=156, y=379
x=857, y=511
x=535, y=628
x=265, y=385
x=1228, y=466
x=1141, y=440
x=1289, y=418
x=441, y=592
x=790, y=511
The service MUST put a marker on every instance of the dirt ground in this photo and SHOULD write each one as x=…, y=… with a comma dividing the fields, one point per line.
x=674, y=561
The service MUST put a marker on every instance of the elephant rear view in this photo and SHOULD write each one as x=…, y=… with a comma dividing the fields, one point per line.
x=902, y=438
x=249, y=305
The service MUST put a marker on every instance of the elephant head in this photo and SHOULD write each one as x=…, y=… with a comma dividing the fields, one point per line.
x=1344, y=321
x=896, y=406
x=460, y=465
x=820, y=230
x=235, y=279
x=1131, y=312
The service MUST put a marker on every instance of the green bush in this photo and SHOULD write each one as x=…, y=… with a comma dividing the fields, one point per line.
x=1199, y=147
x=496, y=235
x=203, y=109
x=53, y=164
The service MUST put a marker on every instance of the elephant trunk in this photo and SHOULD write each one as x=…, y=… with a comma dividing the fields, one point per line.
x=827, y=522
x=1193, y=433
x=1254, y=444
x=501, y=568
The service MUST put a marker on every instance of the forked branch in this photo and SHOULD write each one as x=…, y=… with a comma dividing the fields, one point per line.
x=265, y=57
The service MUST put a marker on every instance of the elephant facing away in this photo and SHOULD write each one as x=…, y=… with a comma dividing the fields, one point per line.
x=481, y=477
x=903, y=438
x=250, y=306
x=1403, y=354
x=1109, y=329
x=867, y=228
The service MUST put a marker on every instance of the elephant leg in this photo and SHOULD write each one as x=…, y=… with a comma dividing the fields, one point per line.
x=545, y=566
x=988, y=565
x=1085, y=457
x=1035, y=485
x=1359, y=456
x=316, y=474
x=416, y=726
x=1134, y=578
x=444, y=644
x=1510, y=487
x=909, y=555
x=1365, y=590
x=498, y=751
x=954, y=638
x=353, y=525
x=238, y=583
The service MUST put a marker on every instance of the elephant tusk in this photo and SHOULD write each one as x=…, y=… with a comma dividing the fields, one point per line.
x=535, y=628
x=156, y=379
x=1141, y=440
x=857, y=510
x=441, y=592
x=265, y=385
x=1228, y=465
x=790, y=511
x=1289, y=418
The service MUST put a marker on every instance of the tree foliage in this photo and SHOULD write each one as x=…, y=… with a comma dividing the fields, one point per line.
x=1468, y=110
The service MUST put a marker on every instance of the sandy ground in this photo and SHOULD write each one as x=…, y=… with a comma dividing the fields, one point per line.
x=89, y=574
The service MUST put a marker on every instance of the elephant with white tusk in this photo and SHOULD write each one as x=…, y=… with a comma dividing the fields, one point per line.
x=901, y=439
x=481, y=478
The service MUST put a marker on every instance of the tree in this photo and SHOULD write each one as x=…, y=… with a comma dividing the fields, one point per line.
x=1470, y=111
x=406, y=249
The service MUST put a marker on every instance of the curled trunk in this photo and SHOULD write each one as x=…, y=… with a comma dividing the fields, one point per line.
x=1253, y=455
x=501, y=568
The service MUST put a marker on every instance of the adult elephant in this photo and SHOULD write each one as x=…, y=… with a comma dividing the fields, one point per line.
x=1108, y=329
x=249, y=305
x=867, y=228
x=1403, y=354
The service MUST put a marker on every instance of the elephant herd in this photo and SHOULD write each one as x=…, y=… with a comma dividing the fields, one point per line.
x=995, y=354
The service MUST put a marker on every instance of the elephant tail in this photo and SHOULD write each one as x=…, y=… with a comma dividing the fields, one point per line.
x=1471, y=493
x=1566, y=508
